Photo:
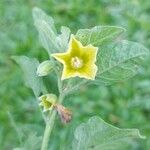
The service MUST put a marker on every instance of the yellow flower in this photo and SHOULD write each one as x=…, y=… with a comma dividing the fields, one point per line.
x=48, y=101
x=78, y=61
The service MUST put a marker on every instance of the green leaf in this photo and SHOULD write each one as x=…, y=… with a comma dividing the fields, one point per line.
x=48, y=36
x=98, y=35
x=96, y=134
x=119, y=61
x=29, y=67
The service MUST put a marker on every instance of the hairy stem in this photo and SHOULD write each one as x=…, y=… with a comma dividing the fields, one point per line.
x=51, y=121
x=48, y=129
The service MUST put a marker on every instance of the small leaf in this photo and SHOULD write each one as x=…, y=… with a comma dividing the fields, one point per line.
x=96, y=134
x=48, y=36
x=38, y=14
x=29, y=67
x=63, y=38
x=98, y=35
x=119, y=61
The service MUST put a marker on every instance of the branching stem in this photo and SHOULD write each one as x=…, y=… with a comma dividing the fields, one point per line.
x=52, y=116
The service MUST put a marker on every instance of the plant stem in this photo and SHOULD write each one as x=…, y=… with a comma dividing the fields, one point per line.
x=48, y=129
x=50, y=122
x=49, y=126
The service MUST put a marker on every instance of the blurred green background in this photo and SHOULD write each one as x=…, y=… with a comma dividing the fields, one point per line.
x=125, y=105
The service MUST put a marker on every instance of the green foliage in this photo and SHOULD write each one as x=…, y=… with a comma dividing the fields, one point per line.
x=29, y=67
x=99, y=35
x=97, y=134
x=116, y=61
x=48, y=36
x=124, y=104
x=120, y=61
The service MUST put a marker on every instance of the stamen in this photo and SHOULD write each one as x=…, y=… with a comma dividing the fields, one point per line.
x=76, y=62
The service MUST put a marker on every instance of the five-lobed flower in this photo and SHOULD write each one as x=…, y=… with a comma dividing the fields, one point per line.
x=78, y=61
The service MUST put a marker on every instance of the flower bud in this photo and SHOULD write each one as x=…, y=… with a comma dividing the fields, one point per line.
x=44, y=68
x=48, y=101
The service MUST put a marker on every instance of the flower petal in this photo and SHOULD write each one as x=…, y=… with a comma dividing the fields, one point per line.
x=88, y=72
x=61, y=57
x=83, y=58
